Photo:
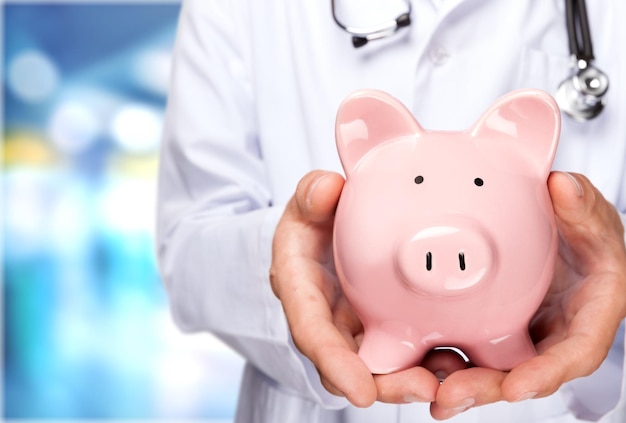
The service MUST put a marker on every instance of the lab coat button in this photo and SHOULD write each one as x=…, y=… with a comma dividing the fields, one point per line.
x=439, y=55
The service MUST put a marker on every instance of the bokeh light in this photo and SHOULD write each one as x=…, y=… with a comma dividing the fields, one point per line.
x=32, y=76
x=73, y=127
x=137, y=128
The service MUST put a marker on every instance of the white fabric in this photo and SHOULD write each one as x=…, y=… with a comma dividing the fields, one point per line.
x=255, y=88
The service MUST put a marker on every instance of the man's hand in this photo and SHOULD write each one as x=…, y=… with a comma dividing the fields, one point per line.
x=323, y=325
x=576, y=324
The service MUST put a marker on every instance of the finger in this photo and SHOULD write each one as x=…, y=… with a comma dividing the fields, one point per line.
x=311, y=324
x=544, y=374
x=465, y=389
x=588, y=224
x=593, y=237
x=586, y=344
x=309, y=216
x=317, y=195
x=348, y=323
x=344, y=374
x=416, y=384
x=315, y=335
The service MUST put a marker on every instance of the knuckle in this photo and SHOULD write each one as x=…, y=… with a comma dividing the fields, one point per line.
x=273, y=278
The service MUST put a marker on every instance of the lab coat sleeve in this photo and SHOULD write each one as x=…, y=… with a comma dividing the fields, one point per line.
x=215, y=219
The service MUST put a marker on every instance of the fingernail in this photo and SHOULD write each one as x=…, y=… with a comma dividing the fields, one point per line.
x=526, y=396
x=465, y=405
x=309, y=195
x=451, y=412
x=413, y=398
x=579, y=188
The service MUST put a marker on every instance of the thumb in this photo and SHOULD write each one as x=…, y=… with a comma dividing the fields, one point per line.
x=572, y=197
x=587, y=223
x=317, y=195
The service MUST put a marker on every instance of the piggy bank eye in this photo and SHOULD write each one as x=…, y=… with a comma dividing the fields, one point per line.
x=419, y=179
x=479, y=182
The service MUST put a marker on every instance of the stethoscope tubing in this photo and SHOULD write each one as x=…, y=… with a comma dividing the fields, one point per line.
x=578, y=32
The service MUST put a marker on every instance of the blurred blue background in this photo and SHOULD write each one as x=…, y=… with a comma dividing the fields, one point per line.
x=86, y=329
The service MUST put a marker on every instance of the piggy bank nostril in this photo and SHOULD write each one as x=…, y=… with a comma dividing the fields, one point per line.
x=462, y=260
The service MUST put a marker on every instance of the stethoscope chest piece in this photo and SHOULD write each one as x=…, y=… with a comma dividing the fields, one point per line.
x=582, y=95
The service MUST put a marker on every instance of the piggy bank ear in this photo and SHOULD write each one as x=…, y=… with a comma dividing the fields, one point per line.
x=525, y=122
x=367, y=118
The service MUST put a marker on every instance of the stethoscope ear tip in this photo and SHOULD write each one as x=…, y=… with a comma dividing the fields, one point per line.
x=403, y=20
x=359, y=41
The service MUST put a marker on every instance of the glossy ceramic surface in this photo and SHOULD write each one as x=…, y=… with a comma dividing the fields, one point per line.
x=446, y=238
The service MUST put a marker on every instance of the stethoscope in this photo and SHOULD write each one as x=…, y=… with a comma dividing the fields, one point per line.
x=582, y=95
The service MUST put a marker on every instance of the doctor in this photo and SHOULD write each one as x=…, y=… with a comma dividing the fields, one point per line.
x=248, y=183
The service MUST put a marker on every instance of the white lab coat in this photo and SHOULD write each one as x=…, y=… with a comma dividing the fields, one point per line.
x=255, y=88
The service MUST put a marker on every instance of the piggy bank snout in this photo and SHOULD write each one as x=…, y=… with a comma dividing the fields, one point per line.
x=446, y=259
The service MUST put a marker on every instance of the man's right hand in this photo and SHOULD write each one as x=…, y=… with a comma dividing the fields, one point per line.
x=323, y=325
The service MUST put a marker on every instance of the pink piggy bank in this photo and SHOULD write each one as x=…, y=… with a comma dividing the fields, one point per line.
x=446, y=239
